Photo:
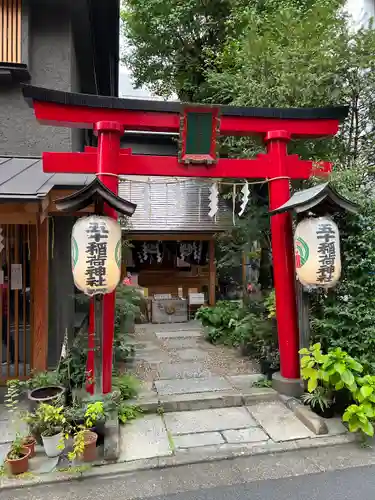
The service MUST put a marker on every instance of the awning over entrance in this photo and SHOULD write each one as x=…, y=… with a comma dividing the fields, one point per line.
x=23, y=179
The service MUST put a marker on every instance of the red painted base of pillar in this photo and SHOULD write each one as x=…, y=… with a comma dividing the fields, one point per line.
x=90, y=386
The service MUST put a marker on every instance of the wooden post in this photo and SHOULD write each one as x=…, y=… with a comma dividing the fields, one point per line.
x=40, y=263
x=212, y=273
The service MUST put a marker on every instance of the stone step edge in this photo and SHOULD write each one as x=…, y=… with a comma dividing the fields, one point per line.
x=155, y=403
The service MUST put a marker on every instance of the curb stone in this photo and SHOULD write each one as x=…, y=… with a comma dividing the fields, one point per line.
x=311, y=420
x=182, y=457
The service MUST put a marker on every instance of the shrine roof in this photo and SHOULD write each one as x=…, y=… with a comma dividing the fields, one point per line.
x=42, y=94
x=23, y=179
x=320, y=198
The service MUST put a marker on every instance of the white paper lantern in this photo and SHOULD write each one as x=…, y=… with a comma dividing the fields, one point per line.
x=96, y=254
x=317, y=252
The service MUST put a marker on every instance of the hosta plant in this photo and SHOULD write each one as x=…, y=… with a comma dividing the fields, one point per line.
x=358, y=418
x=336, y=369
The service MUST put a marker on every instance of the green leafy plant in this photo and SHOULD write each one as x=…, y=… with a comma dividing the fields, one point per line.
x=12, y=398
x=122, y=349
x=94, y=413
x=263, y=382
x=366, y=390
x=321, y=398
x=128, y=412
x=49, y=419
x=72, y=369
x=78, y=445
x=270, y=304
x=335, y=369
x=127, y=385
x=358, y=418
x=43, y=379
x=128, y=309
x=17, y=448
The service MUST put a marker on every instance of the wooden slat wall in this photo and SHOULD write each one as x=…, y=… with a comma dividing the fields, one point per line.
x=15, y=325
x=10, y=31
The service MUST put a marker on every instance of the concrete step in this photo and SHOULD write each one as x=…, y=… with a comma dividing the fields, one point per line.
x=152, y=402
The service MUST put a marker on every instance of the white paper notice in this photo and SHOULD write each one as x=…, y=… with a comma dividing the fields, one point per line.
x=16, y=277
x=1, y=277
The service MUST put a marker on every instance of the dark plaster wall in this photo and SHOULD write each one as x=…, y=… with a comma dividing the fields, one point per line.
x=48, y=50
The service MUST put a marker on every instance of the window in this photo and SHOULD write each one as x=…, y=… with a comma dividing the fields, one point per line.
x=10, y=31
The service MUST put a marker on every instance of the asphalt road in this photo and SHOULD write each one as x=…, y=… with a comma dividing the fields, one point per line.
x=331, y=473
x=337, y=485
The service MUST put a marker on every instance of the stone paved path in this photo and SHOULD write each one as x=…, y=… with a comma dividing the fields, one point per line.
x=179, y=351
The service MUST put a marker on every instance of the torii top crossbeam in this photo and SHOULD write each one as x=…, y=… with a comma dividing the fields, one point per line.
x=66, y=109
x=199, y=126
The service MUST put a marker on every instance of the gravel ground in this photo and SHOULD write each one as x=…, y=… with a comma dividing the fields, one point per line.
x=220, y=360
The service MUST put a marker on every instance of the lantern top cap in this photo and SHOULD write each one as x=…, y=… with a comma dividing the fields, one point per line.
x=321, y=199
x=41, y=94
x=95, y=192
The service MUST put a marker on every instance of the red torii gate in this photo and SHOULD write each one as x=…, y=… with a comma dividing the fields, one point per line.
x=110, y=117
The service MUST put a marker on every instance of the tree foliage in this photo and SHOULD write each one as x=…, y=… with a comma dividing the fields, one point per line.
x=266, y=53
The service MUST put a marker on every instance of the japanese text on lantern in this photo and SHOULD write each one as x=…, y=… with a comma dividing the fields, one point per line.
x=326, y=252
x=96, y=255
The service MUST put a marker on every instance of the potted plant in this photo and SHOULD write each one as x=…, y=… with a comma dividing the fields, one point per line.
x=44, y=387
x=17, y=457
x=95, y=417
x=51, y=423
x=320, y=401
x=30, y=442
x=84, y=446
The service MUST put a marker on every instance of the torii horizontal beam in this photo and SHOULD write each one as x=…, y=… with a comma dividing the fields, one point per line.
x=260, y=167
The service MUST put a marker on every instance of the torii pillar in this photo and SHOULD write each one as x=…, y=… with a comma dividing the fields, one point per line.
x=199, y=127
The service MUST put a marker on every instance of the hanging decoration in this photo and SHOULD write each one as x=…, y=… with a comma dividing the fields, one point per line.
x=150, y=251
x=96, y=254
x=214, y=200
x=317, y=252
x=190, y=251
x=245, y=192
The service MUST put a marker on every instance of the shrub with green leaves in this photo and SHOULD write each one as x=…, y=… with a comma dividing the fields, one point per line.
x=345, y=316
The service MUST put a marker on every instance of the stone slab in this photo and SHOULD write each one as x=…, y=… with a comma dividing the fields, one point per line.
x=41, y=464
x=182, y=370
x=144, y=438
x=219, y=419
x=250, y=435
x=181, y=343
x=8, y=430
x=183, y=334
x=335, y=426
x=279, y=422
x=153, y=357
x=258, y=394
x=200, y=439
x=4, y=448
x=200, y=401
x=186, y=386
x=314, y=422
x=192, y=354
x=112, y=438
x=244, y=382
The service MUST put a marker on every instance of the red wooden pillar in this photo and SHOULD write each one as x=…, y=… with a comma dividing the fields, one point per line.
x=90, y=353
x=283, y=258
x=109, y=134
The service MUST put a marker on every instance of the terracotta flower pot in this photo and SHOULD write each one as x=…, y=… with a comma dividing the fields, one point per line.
x=89, y=453
x=19, y=465
x=30, y=442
